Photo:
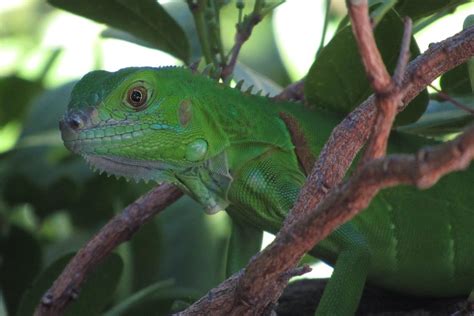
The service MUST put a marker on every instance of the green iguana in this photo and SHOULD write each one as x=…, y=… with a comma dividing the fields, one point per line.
x=232, y=151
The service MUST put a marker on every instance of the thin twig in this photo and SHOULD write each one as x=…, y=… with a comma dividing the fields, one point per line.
x=388, y=96
x=374, y=66
x=244, y=30
x=116, y=231
x=294, y=91
x=325, y=27
x=386, y=93
x=404, y=56
x=456, y=103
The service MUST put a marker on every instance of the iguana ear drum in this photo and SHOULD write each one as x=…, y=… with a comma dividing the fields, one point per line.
x=185, y=112
x=196, y=150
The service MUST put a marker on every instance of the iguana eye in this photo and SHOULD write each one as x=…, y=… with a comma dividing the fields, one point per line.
x=137, y=96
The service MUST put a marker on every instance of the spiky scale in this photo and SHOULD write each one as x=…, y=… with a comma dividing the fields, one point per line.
x=249, y=90
x=239, y=85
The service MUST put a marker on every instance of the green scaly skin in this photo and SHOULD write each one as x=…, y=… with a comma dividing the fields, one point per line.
x=232, y=151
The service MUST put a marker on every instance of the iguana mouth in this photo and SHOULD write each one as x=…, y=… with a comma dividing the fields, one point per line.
x=131, y=168
x=90, y=139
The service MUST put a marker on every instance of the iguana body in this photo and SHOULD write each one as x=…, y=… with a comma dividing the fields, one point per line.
x=232, y=151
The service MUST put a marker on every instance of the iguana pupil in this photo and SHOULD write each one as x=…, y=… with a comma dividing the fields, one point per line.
x=137, y=96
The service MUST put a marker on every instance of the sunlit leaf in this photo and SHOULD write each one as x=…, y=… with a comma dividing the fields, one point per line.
x=145, y=19
x=337, y=79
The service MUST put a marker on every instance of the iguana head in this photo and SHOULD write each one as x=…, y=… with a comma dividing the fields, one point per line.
x=142, y=123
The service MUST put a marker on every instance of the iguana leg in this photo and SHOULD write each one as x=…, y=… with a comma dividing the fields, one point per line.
x=265, y=188
x=269, y=185
x=245, y=241
x=344, y=289
x=261, y=199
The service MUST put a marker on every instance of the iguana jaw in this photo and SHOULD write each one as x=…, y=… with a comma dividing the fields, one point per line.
x=131, y=169
x=97, y=144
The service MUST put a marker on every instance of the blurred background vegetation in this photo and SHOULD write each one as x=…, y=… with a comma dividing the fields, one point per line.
x=51, y=203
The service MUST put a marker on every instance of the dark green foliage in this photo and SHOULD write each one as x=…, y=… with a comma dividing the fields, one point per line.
x=456, y=81
x=20, y=256
x=15, y=94
x=420, y=9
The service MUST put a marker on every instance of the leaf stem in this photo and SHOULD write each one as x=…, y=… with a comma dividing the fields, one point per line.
x=216, y=40
x=325, y=27
x=197, y=9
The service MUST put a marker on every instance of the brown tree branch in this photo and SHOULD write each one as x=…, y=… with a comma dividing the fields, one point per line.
x=387, y=101
x=302, y=298
x=386, y=90
x=255, y=289
x=294, y=91
x=352, y=133
x=404, y=56
x=116, y=231
x=377, y=73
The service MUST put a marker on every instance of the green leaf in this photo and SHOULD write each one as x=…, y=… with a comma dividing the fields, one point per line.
x=99, y=288
x=420, y=9
x=20, y=255
x=171, y=247
x=337, y=79
x=186, y=231
x=442, y=117
x=456, y=81
x=145, y=19
x=39, y=171
x=15, y=96
x=160, y=291
x=180, y=12
x=244, y=243
x=95, y=294
x=146, y=255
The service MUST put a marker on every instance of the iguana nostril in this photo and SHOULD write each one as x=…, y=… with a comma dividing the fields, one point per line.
x=75, y=122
